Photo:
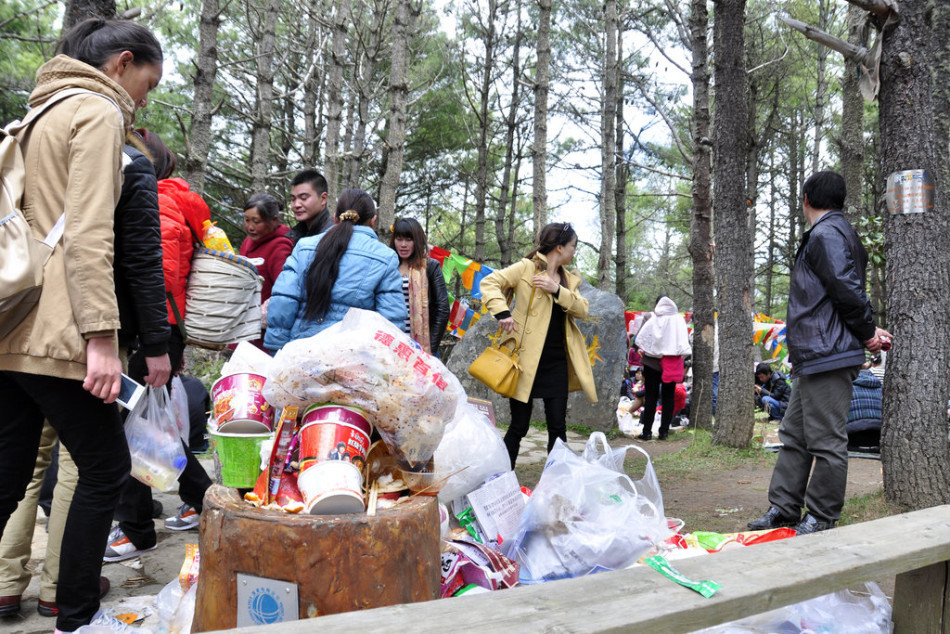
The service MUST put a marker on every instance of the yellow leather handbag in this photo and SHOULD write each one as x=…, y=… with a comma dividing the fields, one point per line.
x=497, y=366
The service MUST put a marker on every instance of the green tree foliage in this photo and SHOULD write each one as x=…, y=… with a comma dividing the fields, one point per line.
x=26, y=41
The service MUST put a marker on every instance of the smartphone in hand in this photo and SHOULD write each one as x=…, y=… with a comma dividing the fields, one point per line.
x=130, y=393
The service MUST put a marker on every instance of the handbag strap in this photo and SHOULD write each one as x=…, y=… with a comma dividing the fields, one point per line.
x=517, y=348
x=527, y=312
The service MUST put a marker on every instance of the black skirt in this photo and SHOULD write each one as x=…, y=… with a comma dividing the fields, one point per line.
x=550, y=379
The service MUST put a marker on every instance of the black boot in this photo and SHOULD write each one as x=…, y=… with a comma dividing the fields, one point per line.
x=513, y=444
x=773, y=518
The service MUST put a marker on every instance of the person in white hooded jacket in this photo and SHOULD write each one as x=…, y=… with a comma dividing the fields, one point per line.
x=663, y=341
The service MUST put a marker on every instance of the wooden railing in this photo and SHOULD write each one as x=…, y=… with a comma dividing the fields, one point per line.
x=913, y=546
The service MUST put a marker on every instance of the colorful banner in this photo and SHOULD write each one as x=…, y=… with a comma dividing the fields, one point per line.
x=461, y=315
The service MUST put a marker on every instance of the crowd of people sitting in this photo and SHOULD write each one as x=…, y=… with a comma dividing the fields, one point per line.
x=772, y=392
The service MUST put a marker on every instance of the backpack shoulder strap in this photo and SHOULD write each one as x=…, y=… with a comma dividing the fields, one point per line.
x=16, y=126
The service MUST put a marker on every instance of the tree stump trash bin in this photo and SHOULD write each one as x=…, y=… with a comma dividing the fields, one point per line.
x=338, y=562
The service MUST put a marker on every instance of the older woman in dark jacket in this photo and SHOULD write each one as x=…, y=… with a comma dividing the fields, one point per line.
x=426, y=297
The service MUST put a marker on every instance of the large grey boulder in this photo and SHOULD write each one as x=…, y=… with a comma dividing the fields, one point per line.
x=605, y=333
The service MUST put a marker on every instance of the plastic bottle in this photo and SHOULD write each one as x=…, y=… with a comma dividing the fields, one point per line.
x=214, y=238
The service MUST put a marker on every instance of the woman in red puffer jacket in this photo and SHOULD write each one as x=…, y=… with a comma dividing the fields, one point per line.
x=183, y=213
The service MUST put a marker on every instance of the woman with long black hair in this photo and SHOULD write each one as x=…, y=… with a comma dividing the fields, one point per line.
x=554, y=357
x=327, y=274
x=60, y=362
x=423, y=285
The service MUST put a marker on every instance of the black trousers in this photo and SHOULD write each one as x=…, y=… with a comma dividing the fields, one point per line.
x=555, y=416
x=653, y=385
x=92, y=432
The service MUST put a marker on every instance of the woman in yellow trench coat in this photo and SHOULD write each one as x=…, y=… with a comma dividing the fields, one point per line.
x=554, y=356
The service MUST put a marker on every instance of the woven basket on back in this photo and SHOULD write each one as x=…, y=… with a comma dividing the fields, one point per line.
x=222, y=299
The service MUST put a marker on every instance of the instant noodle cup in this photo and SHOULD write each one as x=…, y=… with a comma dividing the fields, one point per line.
x=331, y=487
x=239, y=406
x=238, y=458
x=334, y=432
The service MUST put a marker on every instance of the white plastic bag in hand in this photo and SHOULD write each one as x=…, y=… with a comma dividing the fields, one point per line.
x=158, y=457
x=179, y=407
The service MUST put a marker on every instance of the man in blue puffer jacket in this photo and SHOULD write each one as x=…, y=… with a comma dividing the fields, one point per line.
x=326, y=275
x=830, y=323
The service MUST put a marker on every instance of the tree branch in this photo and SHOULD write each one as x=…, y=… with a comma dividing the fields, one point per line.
x=877, y=7
x=19, y=16
x=850, y=51
x=687, y=156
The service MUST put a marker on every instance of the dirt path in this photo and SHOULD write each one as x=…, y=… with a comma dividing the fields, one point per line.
x=724, y=501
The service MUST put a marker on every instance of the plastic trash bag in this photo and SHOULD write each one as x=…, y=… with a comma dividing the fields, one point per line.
x=158, y=457
x=866, y=612
x=179, y=406
x=367, y=362
x=471, y=443
x=166, y=604
x=586, y=515
x=184, y=613
x=625, y=420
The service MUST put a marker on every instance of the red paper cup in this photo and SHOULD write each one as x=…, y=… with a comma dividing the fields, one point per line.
x=334, y=432
x=239, y=405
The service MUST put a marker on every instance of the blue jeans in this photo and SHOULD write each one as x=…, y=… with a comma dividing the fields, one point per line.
x=715, y=390
x=774, y=408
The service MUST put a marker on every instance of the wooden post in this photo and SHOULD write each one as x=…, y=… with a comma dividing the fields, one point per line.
x=920, y=599
x=339, y=562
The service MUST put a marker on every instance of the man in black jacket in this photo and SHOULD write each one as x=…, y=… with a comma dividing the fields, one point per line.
x=308, y=201
x=771, y=391
x=830, y=323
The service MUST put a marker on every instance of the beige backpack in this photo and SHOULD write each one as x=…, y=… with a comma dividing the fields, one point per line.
x=23, y=256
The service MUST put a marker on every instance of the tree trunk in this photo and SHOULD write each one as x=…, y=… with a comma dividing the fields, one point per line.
x=511, y=126
x=622, y=171
x=313, y=89
x=367, y=69
x=206, y=70
x=700, y=229
x=264, y=106
x=608, y=156
x=403, y=23
x=541, y=86
x=772, y=247
x=79, y=10
x=851, y=145
x=733, y=237
x=914, y=436
x=334, y=97
x=821, y=87
x=484, y=97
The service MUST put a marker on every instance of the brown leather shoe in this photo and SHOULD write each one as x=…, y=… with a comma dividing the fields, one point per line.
x=9, y=604
x=48, y=608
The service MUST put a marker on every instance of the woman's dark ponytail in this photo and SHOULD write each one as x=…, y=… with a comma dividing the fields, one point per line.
x=95, y=40
x=353, y=207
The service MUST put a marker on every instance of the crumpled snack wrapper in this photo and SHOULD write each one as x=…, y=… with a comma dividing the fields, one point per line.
x=367, y=362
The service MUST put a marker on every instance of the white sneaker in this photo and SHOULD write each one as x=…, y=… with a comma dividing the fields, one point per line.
x=121, y=548
x=187, y=518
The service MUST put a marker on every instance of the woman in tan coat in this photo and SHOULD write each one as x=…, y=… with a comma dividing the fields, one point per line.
x=554, y=357
x=61, y=363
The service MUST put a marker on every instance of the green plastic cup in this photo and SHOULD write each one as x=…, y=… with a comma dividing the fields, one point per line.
x=238, y=457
